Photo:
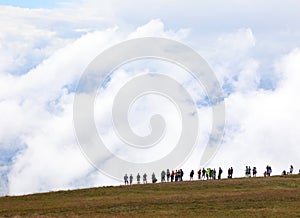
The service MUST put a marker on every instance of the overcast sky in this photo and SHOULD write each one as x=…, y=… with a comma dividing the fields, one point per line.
x=252, y=46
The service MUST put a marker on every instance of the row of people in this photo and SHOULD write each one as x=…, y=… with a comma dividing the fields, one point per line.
x=175, y=176
x=208, y=174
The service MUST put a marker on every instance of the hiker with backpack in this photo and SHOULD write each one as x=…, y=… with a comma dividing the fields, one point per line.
x=154, y=180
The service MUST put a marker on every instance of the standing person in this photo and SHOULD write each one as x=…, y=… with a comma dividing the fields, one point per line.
x=163, y=176
x=254, y=171
x=199, y=174
x=126, y=179
x=138, y=178
x=168, y=175
x=172, y=176
x=230, y=172
x=211, y=174
x=291, y=169
x=145, y=178
x=214, y=174
x=192, y=175
x=220, y=173
x=207, y=173
x=154, y=180
x=203, y=173
x=181, y=175
x=130, y=179
x=269, y=170
x=176, y=176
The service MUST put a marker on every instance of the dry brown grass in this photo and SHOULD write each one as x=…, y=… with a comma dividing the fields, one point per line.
x=246, y=197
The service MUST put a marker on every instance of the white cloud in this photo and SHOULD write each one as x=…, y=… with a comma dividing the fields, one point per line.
x=236, y=43
x=51, y=48
x=156, y=28
x=41, y=105
x=263, y=126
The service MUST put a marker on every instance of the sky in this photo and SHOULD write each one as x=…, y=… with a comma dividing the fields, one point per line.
x=34, y=3
x=253, y=47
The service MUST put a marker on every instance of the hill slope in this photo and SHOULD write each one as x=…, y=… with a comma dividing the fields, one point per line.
x=272, y=197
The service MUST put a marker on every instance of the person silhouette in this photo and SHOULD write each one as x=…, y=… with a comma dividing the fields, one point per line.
x=192, y=175
x=220, y=173
x=138, y=178
x=168, y=175
x=145, y=178
x=291, y=169
x=126, y=179
x=130, y=179
x=154, y=180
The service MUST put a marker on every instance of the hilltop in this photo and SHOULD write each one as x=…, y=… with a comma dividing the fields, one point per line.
x=275, y=196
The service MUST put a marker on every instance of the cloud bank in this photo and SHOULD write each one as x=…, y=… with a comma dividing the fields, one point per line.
x=43, y=52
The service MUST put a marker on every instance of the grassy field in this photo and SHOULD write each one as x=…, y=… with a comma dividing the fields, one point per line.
x=245, y=197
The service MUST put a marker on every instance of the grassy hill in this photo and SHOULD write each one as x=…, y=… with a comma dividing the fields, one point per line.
x=245, y=197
